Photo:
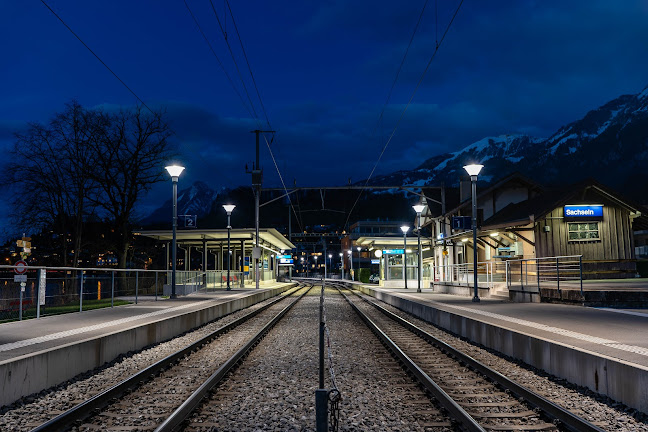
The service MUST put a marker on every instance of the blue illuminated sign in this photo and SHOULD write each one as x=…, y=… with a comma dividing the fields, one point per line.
x=584, y=211
x=393, y=251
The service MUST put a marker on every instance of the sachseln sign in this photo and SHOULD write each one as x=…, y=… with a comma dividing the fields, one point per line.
x=583, y=212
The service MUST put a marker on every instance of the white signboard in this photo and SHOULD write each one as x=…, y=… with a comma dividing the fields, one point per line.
x=42, y=282
x=256, y=252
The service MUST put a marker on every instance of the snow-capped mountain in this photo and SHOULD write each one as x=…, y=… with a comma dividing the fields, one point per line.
x=609, y=144
x=194, y=200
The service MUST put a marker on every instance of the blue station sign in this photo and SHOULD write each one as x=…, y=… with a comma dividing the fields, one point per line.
x=285, y=259
x=393, y=251
x=591, y=211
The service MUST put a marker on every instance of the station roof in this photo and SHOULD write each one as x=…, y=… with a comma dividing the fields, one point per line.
x=380, y=242
x=268, y=237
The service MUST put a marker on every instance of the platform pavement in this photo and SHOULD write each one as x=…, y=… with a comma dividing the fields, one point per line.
x=84, y=340
x=603, y=349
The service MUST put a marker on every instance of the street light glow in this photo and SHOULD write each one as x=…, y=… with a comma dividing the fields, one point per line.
x=418, y=208
x=473, y=169
x=174, y=170
x=405, y=228
x=228, y=208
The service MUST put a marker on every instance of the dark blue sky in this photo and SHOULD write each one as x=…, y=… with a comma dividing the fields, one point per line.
x=324, y=70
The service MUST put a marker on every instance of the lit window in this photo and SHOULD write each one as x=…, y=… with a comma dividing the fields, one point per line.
x=587, y=231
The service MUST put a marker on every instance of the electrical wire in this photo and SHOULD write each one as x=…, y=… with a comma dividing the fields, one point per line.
x=248, y=95
x=409, y=102
x=248, y=64
x=97, y=57
x=238, y=70
x=220, y=63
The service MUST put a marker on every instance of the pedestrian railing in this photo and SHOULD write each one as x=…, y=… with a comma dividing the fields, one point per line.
x=488, y=273
x=562, y=272
x=40, y=291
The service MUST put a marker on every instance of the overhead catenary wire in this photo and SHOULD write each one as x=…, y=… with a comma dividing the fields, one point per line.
x=220, y=63
x=252, y=112
x=409, y=102
x=238, y=70
x=248, y=64
x=97, y=57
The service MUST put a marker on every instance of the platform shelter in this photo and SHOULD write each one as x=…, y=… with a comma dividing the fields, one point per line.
x=212, y=245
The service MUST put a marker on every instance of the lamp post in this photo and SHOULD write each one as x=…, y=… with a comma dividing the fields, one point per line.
x=342, y=265
x=316, y=268
x=473, y=170
x=228, y=208
x=174, y=171
x=350, y=251
x=330, y=256
x=419, y=209
x=405, y=228
x=359, y=249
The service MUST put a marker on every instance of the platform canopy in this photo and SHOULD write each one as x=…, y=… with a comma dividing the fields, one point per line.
x=387, y=242
x=269, y=238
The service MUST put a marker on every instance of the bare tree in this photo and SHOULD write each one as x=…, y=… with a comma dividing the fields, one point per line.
x=48, y=174
x=128, y=161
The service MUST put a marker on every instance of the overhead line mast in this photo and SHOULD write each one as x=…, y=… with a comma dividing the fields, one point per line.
x=257, y=180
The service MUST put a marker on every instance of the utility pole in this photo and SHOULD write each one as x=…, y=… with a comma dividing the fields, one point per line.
x=257, y=180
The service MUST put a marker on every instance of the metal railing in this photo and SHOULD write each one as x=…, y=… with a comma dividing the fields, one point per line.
x=535, y=273
x=41, y=291
x=488, y=273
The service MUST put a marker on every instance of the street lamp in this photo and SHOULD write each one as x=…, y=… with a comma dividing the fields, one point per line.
x=359, y=249
x=228, y=208
x=316, y=268
x=473, y=171
x=419, y=209
x=341, y=266
x=330, y=256
x=351, y=263
x=174, y=171
x=405, y=228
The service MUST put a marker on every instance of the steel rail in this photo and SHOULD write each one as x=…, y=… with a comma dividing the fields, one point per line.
x=86, y=409
x=569, y=420
x=182, y=413
x=456, y=411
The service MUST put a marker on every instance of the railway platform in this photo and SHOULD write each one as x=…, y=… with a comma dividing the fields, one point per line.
x=39, y=353
x=605, y=350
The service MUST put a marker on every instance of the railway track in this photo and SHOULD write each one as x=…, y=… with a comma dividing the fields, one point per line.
x=478, y=397
x=160, y=396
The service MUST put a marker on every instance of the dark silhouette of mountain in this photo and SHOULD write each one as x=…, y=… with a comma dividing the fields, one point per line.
x=609, y=144
x=197, y=199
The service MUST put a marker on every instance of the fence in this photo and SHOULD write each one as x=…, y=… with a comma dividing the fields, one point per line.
x=488, y=273
x=54, y=290
x=552, y=272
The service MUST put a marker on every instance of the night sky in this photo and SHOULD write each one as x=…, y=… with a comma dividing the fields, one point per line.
x=324, y=70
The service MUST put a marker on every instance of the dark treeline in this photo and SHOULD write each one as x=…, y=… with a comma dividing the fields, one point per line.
x=86, y=167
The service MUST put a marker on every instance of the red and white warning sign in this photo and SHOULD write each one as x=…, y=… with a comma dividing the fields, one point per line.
x=21, y=267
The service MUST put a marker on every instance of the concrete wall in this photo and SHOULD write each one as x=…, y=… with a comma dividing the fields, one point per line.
x=32, y=373
x=617, y=379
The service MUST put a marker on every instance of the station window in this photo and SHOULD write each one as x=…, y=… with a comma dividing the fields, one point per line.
x=586, y=231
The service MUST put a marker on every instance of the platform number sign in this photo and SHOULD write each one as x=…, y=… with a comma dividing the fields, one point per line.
x=190, y=221
x=461, y=222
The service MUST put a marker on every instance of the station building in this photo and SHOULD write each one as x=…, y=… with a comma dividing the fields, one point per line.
x=520, y=219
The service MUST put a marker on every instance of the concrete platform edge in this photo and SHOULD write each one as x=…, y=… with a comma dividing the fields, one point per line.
x=619, y=380
x=29, y=374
